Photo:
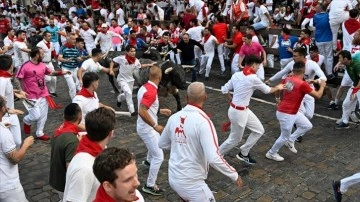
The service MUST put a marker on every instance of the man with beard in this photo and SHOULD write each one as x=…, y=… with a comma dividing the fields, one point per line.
x=54, y=31
x=31, y=76
x=136, y=42
x=21, y=50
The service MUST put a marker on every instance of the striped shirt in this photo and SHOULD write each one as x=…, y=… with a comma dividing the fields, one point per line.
x=67, y=53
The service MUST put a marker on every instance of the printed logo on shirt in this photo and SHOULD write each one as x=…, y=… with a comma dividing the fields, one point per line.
x=289, y=86
x=286, y=43
x=180, y=136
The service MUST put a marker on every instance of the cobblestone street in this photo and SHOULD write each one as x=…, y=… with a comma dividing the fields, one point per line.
x=325, y=154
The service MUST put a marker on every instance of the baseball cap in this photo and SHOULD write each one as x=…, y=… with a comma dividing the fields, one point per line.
x=104, y=25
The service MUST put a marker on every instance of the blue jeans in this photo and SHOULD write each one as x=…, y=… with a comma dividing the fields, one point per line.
x=194, y=70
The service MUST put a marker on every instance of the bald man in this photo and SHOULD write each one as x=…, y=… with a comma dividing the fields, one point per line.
x=191, y=137
x=148, y=128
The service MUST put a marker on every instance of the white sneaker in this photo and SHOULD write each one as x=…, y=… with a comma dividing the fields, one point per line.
x=338, y=121
x=291, y=146
x=354, y=118
x=275, y=157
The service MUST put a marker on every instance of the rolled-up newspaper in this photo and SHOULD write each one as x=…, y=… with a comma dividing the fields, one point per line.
x=121, y=113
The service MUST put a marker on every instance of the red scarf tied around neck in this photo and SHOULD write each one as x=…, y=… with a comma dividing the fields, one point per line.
x=132, y=41
x=248, y=71
x=206, y=37
x=286, y=37
x=66, y=127
x=84, y=92
x=88, y=146
x=21, y=40
x=5, y=74
x=102, y=196
x=130, y=59
x=316, y=58
x=69, y=45
x=351, y=25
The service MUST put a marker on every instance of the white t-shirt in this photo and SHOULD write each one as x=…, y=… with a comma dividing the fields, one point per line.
x=106, y=40
x=321, y=59
x=209, y=45
x=126, y=70
x=197, y=3
x=8, y=42
x=20, y=56
x=47, y=51
x=104, y=13
x=158, y=14
x=263, y=19
x=90, y=65
x=86, y=104
x=7, y=91
x=339, y=9
x=150, y=100
x=9, y=173
x=121, y=14
x=88, y=36
x=81, y=183
x=195, y=33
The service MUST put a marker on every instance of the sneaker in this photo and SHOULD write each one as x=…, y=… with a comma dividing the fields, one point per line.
x=299, y=139
x=337, y=193
x=354, y=118
x=53, y=94
x=223, y=73
x=118, y=104
x=134, y=114
x=43, y=137
x=275, y=157
x=331, y=105
x=112, y=91
x=155, y=190
x=291, y=146
x=247, y=159
x=206, y=78
x=146, y=163
x=27, y=129
x=342, y=125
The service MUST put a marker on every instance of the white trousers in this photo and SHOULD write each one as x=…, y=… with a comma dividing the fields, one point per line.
x=89, y=47
x=284, y=62
x=127, y=90
x=38, y=115
x=286, y=124
x=155, y=155
x=307, y=106
x=72, y=81
x=346, y=80
x=346, y=183
x=117, y=47
x=305, y=22
x=326, y=49
x=335, y=25
x=14, y=195
x=198, y=53
x=349, y=105
x=56, y=47
x=235, y=64
x=241, y=119
x=220, y=50
x=50, y=80
x=261, y=72
x=175, y=58
x=197, y=193
x=205, y=65
x=200, y=15
x=15, y=128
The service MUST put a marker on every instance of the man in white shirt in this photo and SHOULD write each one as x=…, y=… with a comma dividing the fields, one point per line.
x=49, y=51
x=104, y=38
x=119, y=15
x=92, y=65
x=193, y=143
x=21, y=51
x=241, y=117
x=209, y=42
x=195, y=33
x=81, y=183
x=103, y=11
x=10, y=186
x=155, y=11
x=199, y=8
x=264, y=19
x=9, y=42
x=88, y=35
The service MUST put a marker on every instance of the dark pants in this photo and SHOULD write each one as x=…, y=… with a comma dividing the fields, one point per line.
x=194, y=69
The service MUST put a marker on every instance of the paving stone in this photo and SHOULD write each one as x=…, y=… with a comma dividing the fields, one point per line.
x=43, y=195
x=264, y=198
x=308, y=195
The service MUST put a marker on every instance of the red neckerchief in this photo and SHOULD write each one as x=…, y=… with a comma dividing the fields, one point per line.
x=305, y=41
x=20, y=40
x=135, y=28
x=132, y=41
x=69, y=45
x=352, y=25
x=316, y=58
x=206, y=37
x=102, y=196
x=130, y=59
x=286, y=37
x=47, y=44
x=84, y=92
x=103, y=31
x=88, y=146
x=63, y=20
x=248, y=71
x=11, y=38
x=5, y=74
x=66, y=127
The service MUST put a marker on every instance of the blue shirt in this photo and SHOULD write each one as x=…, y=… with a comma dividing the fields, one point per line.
x=53, y=31
x=82, y=52
x=80, y=11
x=322, y=27
x=139, y=43
x=67, y=53
x=284, y=44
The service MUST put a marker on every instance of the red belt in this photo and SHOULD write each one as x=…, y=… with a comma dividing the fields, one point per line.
x=237, y=107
